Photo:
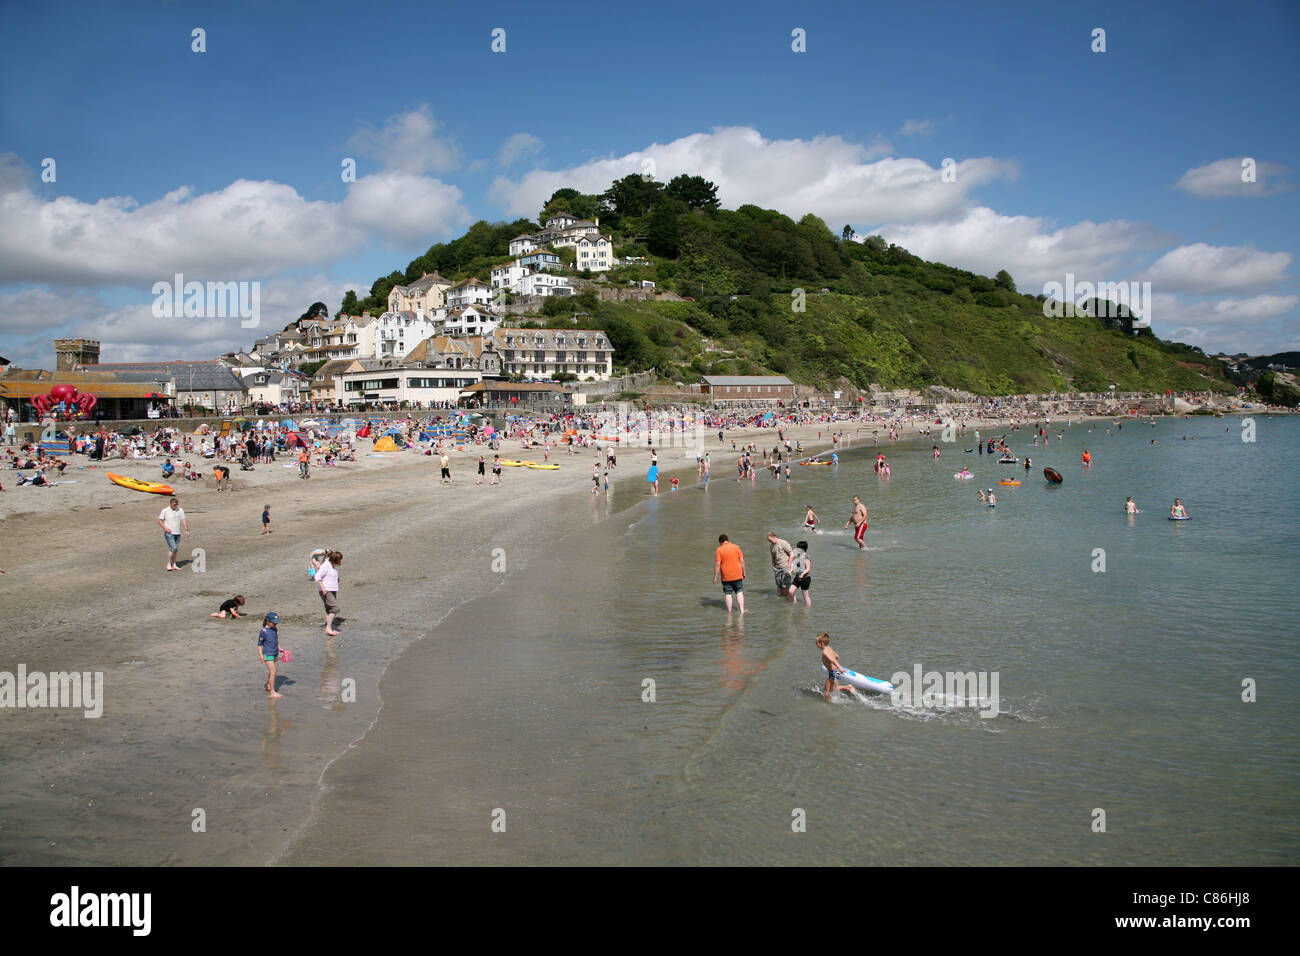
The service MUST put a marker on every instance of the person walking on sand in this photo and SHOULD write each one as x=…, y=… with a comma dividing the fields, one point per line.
x=304, y=462
x=268, y=649
x=266, y=519
x=831, y=661
x=858, y=519
x=445, y=464
x=595, y=478
x=482, y=470
x=327, y=581
x=172, y=520
x=496, y=470
x=729, y=565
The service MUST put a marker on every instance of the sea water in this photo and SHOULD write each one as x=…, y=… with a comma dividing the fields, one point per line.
x=603, y=707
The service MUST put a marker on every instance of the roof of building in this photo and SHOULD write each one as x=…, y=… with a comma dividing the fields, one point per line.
x=747, y=380
x=527, y=338
x=189, y=376
x=12, y=389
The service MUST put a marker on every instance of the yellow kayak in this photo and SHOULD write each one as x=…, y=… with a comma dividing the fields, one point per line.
x=816, y=462
x=511, y=463
x=537, y=467
x=151, y=487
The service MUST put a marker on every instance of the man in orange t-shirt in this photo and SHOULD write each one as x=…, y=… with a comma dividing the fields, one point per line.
x=729, y=565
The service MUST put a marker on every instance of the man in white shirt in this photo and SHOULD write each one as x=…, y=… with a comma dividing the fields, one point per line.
x=172, y=520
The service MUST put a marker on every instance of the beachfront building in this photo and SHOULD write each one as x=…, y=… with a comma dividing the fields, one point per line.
x=748, y=388
x=468, y=292
x=514, y=393
x=545, y=353
x=594, y=252
x=120, y=395
x=322, y=389
x=404, y=383
x=210, y=385
x=426, y=294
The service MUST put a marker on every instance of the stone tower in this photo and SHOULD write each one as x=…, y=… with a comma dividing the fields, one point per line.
x=74, y=352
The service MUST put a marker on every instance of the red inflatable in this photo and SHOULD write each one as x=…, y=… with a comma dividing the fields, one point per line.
x=67, y=396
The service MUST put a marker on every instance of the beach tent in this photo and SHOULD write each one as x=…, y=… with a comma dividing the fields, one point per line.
x=386, y=444
x=290, y=424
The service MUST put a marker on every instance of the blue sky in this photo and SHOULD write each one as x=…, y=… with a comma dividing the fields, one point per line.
x=225, y=164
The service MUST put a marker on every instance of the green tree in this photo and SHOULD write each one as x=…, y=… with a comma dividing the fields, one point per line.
x=632, y=195
x=663, y=236
x=350, y=306
x=847, y=233
x=1003, y=280
x=316, y=310
x=695, y=192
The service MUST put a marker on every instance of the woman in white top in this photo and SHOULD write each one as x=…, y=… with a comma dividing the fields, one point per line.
x=327, y=580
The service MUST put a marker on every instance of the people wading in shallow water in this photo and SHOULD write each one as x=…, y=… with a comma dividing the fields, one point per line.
x=858, y=519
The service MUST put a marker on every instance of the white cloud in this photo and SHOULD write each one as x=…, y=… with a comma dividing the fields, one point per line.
x=1258, y=324
x=921, y=127
x=407, y=143
x=1223, y=178
x=985, y=241
x=1205, y=269
x=14, y=175
x=247, y=230
x=33, y=310
x=520, y=146
x=835, y=179
x=403, y=206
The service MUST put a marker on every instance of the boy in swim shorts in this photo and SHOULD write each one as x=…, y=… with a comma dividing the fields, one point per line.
x=831, y=661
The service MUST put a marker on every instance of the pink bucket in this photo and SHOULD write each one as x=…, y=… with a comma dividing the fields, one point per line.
x=286, y=655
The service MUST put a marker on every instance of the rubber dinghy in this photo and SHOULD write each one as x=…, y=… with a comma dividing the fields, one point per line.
x=862, y=681
x=1052, y=475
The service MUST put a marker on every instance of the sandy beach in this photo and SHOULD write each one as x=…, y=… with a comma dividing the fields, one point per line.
x=186, y=725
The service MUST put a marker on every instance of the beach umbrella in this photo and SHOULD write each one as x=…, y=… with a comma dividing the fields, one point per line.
x=309, y=422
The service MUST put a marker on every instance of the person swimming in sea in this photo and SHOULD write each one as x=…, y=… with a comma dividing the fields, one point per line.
x=1130, y=506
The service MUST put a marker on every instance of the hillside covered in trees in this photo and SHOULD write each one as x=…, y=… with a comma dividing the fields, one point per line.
x=768, y=294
